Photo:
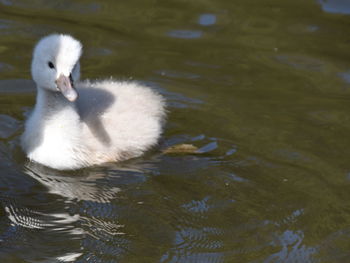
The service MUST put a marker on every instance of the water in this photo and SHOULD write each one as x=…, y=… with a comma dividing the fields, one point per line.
x=261, y=87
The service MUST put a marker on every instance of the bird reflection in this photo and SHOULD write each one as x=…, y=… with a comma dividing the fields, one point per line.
x=81, y=186
x=96, y=223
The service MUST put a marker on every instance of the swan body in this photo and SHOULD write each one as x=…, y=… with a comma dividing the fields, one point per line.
x=77, y=124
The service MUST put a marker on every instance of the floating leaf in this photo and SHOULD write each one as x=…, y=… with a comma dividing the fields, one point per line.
x=181, y=149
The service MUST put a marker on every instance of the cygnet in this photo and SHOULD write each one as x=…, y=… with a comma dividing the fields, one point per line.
x=78, y=124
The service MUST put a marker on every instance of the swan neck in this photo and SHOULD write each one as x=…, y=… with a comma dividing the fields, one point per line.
x=50, y=103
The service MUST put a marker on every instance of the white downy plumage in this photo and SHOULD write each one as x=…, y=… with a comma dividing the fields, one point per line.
x=78, y=124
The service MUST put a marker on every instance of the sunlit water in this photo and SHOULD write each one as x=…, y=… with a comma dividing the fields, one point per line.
x=261, y=87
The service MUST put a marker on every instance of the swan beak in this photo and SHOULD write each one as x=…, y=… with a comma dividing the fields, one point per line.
x=66, y=87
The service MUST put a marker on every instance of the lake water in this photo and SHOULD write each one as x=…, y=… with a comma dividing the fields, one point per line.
x=262, y=87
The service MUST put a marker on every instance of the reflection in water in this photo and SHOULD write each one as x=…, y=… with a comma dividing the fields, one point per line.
x=335, y=6
x=177, y=100
x=345, y=76
x=302, y=62
x=91, y=228
x=271, y=80
x=24, y=217
x=187, y=34
x=4, y=24
x=62, y=5
x=175, y=74
x=72, y=187
x=292, y=249
x=41, y=227
x=207, y=19
x=95, y=223
x=8, y=126
x=5, y=67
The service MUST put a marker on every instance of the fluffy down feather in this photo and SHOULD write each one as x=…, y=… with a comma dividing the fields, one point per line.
x=110, y=121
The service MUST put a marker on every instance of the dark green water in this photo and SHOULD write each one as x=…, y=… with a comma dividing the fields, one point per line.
x=263, y=86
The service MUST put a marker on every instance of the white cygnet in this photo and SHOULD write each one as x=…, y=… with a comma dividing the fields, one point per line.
x=78, y=124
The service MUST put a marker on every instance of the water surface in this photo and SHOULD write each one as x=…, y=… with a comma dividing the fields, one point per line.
x=261, y=87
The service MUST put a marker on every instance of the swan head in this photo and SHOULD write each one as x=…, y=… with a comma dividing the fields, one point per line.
x=55, y=64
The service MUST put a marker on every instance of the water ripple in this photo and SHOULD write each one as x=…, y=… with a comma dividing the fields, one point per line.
x=185, y=34
x=207, y=19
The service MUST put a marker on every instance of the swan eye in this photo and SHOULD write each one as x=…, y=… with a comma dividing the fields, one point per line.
x=71, y=79
x=51, y=64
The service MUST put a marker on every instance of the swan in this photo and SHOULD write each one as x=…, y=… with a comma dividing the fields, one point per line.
x=76, y=124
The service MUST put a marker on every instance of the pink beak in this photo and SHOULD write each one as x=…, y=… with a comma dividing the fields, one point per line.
x=66, y=87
